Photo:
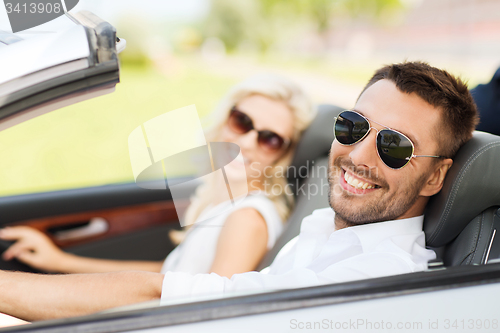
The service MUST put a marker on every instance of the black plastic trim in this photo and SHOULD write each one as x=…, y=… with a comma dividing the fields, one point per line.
x=36, y=205
x=26, y=99
x=86, y=73
x=104, y=42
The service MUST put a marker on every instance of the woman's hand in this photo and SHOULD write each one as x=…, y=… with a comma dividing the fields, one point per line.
x=33, y=248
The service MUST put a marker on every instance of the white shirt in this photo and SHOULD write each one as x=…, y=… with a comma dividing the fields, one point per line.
x=321, y=255
x=197, y=251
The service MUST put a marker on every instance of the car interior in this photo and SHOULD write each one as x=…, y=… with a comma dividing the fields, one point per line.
x=127, y=222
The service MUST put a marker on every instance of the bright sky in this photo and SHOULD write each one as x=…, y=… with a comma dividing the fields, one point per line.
x=111, y=10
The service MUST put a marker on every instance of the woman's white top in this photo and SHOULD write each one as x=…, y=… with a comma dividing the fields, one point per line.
x=196, y=253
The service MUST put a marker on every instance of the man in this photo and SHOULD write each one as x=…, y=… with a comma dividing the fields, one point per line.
x=391, y=153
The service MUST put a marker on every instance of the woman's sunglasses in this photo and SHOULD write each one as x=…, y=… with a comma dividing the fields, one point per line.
x=241, y=123
x=394, y=148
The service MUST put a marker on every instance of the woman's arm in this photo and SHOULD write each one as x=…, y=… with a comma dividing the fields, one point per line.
x=36, y=296
x=35, y=249
x=242, y=243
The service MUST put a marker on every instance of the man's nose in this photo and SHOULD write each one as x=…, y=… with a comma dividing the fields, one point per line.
x=364, y=153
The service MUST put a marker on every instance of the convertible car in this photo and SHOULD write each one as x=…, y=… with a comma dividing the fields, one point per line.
x=124, y=221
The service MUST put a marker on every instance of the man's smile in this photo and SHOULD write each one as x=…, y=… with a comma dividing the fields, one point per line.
x=354, y=184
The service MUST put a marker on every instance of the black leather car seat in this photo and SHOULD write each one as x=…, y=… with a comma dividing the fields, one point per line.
x=464, y=217
x=308, y=175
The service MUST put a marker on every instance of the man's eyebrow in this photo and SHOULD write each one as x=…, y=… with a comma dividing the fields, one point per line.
x=412, y=139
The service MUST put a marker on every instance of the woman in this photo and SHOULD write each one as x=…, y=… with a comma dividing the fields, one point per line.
x=264, y=116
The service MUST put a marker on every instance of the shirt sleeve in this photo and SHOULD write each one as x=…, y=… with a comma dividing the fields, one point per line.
x=181, y=285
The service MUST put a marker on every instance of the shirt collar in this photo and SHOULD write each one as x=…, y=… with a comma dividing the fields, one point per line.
x=373, y=233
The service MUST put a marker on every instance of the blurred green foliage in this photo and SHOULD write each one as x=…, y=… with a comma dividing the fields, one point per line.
x=263, y=22
x=136, y=58
x=322, y=12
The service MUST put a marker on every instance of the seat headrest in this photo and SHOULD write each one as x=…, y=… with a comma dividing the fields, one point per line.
x=317, y=138
x=471, y=186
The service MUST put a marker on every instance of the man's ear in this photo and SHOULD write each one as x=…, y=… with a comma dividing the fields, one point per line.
x=436, y=179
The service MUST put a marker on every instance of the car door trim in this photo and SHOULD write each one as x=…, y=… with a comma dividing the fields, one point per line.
x=406, y=284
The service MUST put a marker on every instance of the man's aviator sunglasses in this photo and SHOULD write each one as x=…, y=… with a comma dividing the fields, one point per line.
x=239, y=122
x=394, y=148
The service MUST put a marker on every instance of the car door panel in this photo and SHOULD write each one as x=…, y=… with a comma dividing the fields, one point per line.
x=37, y=205
x=84, y=227
x=152, y=243
x=119, y=221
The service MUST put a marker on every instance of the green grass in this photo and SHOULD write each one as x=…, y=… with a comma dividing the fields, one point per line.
x=86, y=144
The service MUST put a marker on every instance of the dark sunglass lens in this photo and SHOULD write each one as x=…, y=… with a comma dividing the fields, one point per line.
x=240, y=122
x=394, y=149
x=350, y=127
x=270, y=140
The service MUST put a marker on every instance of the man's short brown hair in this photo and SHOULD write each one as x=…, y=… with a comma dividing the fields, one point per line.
x=441, y=90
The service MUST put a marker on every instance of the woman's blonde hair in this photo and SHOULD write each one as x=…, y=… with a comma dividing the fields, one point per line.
x=277, y=88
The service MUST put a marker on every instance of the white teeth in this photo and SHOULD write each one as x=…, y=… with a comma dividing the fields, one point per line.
x=354, y=182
